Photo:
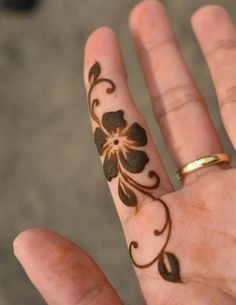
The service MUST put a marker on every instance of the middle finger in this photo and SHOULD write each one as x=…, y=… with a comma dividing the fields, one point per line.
x=179, y=106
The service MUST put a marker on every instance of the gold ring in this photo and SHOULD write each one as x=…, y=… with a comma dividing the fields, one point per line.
x=201, y=162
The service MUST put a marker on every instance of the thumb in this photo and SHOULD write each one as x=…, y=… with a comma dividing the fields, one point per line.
x=62, y=272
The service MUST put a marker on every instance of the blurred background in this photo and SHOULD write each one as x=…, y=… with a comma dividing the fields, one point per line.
x=50, y=174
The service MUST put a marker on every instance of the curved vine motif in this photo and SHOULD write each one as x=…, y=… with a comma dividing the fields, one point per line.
x=120, y=146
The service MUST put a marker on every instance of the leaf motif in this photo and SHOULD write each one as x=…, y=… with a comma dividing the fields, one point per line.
x=171, y=272
x=126, y=195
x=94, y=72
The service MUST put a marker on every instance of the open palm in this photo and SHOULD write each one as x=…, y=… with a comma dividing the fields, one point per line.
x=182, y=243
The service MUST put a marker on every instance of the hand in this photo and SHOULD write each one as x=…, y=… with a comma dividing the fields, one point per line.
x=182, y=243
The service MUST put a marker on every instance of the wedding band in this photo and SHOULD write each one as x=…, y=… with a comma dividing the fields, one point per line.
x=201, y=162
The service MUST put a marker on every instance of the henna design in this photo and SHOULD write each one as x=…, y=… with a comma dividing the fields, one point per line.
x=120, y=144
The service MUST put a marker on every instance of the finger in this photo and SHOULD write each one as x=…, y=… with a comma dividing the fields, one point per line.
x=131, y=163
x=61, y=271
x=177, y=102
x=218, y=43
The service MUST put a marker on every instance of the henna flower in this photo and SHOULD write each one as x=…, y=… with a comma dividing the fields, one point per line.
x=118, y=143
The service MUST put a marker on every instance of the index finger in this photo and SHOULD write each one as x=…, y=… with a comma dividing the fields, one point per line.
x=131, y=163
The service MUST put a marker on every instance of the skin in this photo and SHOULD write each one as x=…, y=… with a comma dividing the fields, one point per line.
x=202, y=211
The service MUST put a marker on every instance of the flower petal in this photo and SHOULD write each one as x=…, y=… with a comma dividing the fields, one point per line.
x=127, y=196
x=137, y=134
x=134, y=161
x=114, y=121
x=100, y=139
x=110, y=167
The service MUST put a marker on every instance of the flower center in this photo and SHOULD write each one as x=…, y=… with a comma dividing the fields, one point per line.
x=116, y=142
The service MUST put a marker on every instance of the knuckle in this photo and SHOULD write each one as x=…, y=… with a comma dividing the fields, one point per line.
x=175, y=99
x=153, y=46
x=221, y=50
x=228, y=97
x=93, y=294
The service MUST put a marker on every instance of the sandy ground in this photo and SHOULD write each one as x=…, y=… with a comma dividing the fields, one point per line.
x=50, y=174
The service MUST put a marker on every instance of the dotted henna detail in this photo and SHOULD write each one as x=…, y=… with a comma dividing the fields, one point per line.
x=121, y=146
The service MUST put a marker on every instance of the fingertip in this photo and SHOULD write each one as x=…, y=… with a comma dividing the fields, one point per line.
x=140, y=12
x=149, y=20
x=103, y=46
x=136, y=12
x=100, y=34
x=98, y=43
x=208, y=16
x=23, y=241
x=32, y=244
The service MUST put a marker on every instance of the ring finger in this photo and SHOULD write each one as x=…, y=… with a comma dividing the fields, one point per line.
x=219, y=48
x=178, y=105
